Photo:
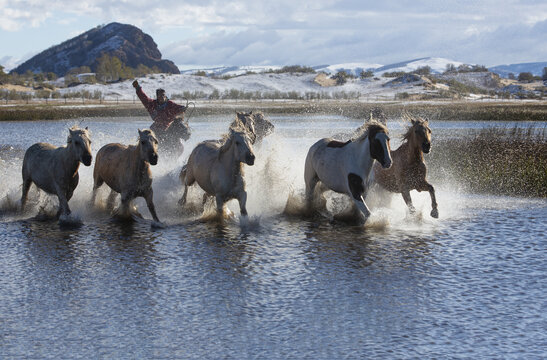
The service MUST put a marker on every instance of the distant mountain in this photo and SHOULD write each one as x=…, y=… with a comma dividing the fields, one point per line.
x=536, y=68
x=437, y=65
x=127, y=42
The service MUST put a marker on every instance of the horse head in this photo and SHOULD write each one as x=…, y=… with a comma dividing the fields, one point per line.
x=247, y=122
x=262, y=125
x=242, y=147
x=380, y=149
x=78, y=140
x=148, y=146
x=420, y=134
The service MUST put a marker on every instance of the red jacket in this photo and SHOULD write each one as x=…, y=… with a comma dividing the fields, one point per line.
x=163, y=115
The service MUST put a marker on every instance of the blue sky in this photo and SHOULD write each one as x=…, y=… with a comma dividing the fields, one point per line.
x=256, y=32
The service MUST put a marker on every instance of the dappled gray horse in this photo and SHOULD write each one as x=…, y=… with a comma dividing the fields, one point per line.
x=344, y=167
x=55, y=169
x=126, y=170
x=217, y=168
x=256, y=125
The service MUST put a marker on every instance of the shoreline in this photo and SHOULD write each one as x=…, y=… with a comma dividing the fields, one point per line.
x=518, y=110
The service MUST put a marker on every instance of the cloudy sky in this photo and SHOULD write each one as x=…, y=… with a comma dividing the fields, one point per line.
x=287, y=32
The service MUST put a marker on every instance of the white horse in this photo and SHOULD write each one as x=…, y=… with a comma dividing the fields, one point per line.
x=345, y=167
x=55, y=169
x=126, y=170
x=217, y=168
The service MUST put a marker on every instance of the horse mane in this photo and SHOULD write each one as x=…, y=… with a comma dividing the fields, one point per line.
x=77, y=130
x=370, y=129
x=413, y=121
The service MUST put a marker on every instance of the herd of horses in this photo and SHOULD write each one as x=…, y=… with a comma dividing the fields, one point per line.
x=217, y=167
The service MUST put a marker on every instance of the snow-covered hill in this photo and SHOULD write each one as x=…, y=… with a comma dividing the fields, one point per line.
x=437, y=65
x=536, y=68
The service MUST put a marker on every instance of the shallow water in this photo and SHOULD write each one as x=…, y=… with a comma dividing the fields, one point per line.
x=469, y=284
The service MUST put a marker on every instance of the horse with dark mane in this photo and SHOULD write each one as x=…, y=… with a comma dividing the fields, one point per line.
x=55, y=169
x=408, y=171
x=344, y=167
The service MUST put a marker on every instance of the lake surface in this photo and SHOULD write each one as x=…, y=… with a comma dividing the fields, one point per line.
x=470, y=284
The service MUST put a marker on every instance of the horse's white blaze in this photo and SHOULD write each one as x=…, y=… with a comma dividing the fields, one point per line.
x=384, y=140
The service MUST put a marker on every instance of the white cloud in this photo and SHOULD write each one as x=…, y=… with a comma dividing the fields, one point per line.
x=322, y=31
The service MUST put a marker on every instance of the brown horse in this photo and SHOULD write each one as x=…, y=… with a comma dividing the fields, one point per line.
x=126, y=170
x=408, y=171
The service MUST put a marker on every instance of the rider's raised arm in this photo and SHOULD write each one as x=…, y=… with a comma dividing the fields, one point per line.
x=146, y=101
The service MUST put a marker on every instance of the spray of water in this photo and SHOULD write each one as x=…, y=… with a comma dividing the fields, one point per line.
x=275, y=185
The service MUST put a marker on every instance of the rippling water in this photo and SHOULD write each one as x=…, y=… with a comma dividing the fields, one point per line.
x=470, y=284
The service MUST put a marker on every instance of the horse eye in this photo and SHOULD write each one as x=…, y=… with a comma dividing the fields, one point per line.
x=238, y=143
x=143, y=142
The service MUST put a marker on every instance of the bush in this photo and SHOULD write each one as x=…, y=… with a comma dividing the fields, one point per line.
x=526, y=77
x=366, y=74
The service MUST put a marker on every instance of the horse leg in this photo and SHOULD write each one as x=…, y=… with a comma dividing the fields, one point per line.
x=311, y=183
x=150, y=203
x=425, y=186
x=187, y=178
x=220, y=204
x=97, y=183
x=242, y=199
x=64, y=209
x=358, y=193
x=408, y=201
x=26, y=186
x=110, y=200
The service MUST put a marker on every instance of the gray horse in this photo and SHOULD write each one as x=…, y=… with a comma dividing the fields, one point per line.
x=55, y=169
x=126, y=170
x=256, y=125
x=217, y=168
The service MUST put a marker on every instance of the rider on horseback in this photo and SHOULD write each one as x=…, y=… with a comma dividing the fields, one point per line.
x=162, y=110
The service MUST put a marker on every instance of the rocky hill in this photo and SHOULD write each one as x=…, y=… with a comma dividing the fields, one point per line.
x=128, y=43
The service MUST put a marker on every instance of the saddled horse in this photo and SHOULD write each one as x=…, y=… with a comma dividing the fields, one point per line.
x=256, y=125
x=408, y=171
x=55, y=169
x=172, y=140
x=126, y=170
x=218, y=169
x=344, y=167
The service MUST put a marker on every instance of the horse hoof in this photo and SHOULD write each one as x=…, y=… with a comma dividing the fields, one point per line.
x=158, y=225
x=435, y=213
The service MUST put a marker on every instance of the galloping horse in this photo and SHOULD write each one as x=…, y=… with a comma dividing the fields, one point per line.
x=126, y=170
x=256, y=125
x=217, y=168
x=409, y=171
x=55, y=169
x=345, y=167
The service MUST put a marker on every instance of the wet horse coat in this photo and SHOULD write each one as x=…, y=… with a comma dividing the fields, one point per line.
x=55, y=169
x=409, y=170
x=126, y=170
x=217, y=168
x=345, y=167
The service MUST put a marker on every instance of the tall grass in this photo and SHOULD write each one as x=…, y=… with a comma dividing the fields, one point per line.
x=496, y=161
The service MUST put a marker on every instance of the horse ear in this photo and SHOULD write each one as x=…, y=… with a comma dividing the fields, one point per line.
x=251, y=112
x=86, y=128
